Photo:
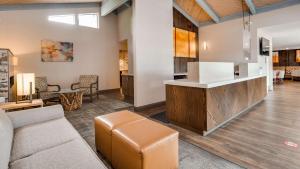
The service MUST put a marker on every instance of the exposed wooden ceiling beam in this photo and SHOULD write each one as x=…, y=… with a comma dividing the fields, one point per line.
x=108, y=6
x=251, y=6
x=184, y=13
x=208, y=10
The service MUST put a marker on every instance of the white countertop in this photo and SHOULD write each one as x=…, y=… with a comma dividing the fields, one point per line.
x=188, y=83
x=181, y=74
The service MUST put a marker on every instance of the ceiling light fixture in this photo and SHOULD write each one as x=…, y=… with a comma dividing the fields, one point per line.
x=246, y=33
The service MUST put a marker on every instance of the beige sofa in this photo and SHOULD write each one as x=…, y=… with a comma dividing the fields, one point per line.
x=42, y=138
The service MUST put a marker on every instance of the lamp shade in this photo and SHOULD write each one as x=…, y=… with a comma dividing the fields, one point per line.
x=14, y=61
x=23, y=83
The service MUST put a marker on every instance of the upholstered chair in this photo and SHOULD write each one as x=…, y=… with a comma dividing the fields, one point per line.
x=45, y=91
x=88, y=83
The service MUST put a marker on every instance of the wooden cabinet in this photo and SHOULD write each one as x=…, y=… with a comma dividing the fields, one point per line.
x=128, y=86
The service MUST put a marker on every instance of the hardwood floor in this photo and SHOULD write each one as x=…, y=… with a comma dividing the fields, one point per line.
x=267, y=136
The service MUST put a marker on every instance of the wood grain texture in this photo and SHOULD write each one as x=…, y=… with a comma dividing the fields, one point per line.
x=17, y=2
x=224, y=102
x=202, y=110
x=230, y=7
x=191, y=101
x=128, y=86
x=262, y=3
x=221, y=7
x=257, y=90
x=193, y=9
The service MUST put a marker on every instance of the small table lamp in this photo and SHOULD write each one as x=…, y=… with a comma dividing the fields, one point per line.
x=25, y=87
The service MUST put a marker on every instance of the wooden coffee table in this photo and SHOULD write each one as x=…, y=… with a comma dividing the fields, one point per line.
x=71, y=99
x=11, y=106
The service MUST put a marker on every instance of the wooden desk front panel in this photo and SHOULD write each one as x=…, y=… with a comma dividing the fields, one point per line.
x=225, y=101
x=200, y=109
x=186, y=107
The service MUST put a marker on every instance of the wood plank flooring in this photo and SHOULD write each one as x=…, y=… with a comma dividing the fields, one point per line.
x=257, y=139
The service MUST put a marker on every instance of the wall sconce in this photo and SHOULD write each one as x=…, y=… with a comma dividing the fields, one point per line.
x=204, y=45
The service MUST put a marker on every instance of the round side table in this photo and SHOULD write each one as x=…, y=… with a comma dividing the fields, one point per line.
x=71, y=99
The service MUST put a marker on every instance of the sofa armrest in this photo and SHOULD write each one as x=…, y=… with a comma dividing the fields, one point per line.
x=37, y=115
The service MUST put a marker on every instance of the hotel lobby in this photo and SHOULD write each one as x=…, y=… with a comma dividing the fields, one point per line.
x=149, y=84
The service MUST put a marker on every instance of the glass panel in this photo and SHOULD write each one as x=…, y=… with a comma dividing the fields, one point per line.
x=192, y=39
x=182, y=43
x=67, y=19
x=88, y=20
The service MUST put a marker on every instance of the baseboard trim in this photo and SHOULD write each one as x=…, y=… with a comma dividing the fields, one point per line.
x=109, y=91
x=149, y=106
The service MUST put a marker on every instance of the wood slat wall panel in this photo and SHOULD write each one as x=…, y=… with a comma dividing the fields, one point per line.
x=15, y=2
x=261, y=3
x=229, y=7
x=194, y=10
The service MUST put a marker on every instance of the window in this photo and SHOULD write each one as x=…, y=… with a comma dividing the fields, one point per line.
x=88, y=20
x=184, y=43
x=67, y=19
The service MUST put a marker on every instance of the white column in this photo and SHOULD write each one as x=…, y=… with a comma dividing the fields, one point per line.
x=152, y=49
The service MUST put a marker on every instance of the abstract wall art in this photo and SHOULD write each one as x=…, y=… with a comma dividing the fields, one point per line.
x=54, y=51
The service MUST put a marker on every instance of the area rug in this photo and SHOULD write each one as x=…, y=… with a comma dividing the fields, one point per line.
x=190, y=156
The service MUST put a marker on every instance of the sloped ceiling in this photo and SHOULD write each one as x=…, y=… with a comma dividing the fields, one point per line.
x=222, y=8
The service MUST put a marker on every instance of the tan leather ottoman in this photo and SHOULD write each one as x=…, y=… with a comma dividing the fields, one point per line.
x=144, y=144
x=104, y=126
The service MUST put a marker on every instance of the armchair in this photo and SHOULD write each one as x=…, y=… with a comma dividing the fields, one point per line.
x=43, y=91
x=90, y=84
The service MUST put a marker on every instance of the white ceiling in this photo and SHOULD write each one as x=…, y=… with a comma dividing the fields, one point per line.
x=285, y=36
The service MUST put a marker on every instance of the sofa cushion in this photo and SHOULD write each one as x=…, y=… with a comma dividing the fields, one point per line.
x=6, y=137
x=33, y=116
x=71, y=155
x=34, y=138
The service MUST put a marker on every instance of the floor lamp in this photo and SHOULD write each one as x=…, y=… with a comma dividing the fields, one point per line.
x=25, y=87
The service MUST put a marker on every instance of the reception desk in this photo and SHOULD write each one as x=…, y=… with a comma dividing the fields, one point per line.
x=205, y=107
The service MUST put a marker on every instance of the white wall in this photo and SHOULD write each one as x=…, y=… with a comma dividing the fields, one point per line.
x=225, y=39
x=224, y=42
x=95, y=50
x=153, y=58
x=125, y=33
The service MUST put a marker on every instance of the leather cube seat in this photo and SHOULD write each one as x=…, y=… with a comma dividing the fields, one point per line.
x=144, y=144
x=104, y=126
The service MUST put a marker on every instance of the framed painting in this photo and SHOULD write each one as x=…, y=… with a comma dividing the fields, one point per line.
x=54, y=51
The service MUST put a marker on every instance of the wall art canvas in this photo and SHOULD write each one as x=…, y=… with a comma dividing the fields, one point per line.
x=54, y=51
